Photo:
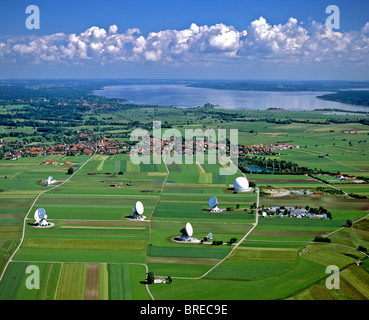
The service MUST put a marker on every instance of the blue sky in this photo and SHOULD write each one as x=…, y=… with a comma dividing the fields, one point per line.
x=194, y=39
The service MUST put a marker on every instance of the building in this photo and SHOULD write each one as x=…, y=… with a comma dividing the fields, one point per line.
x=241, y=184
x=159, y=279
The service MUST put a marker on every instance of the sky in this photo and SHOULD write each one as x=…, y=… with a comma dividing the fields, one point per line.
x=161, y=39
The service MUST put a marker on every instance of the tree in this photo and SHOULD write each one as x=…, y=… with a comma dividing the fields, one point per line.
x=362, y=249
x=348, y=223
x=70, y=170
x=169, y=279
x=150, y=277
x=321, y=239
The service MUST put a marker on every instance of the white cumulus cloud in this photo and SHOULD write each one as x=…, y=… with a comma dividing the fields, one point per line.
x=260, y=41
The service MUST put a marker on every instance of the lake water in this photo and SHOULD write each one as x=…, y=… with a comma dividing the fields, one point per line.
x=181, y=96
x=257, y=169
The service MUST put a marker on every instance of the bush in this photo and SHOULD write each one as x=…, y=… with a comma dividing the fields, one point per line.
x=348, y=223
x=217, y=243
x=230, y=208
x=321, y=239
x=232, y=240
x=362, y=249
x=70, y=170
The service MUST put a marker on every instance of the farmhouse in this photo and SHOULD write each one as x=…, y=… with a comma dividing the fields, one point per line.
x=159, y=279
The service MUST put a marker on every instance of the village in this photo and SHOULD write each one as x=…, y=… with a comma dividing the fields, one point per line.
x=106, y=145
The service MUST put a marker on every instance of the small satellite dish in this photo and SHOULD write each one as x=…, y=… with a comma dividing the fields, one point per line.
x=213, y=202
x=139, y=208
x=40, y=214
x=189, y=229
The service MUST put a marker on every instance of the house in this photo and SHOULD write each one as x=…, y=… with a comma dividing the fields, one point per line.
x=159, y=279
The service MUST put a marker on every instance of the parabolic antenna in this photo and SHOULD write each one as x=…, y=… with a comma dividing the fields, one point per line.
x=189, y=229
x=40, y=214
x=139, y=207
x=213, y=202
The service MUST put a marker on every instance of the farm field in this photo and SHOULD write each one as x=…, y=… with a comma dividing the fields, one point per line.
x=111, y=255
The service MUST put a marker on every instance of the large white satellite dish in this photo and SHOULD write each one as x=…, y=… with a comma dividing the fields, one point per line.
x=138, y=211
x=186, y=235
x=189, y=229
x=40, y=214
x=213, y=202
x=139, y=208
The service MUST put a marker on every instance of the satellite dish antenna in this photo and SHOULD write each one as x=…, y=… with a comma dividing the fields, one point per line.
x=138, y=211
x=213, y=202
x=49, y=180
x=40, y=214
x=189, y=229
x=139, y=208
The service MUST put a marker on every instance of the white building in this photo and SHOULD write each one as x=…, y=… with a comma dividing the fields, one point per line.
x=241, y=184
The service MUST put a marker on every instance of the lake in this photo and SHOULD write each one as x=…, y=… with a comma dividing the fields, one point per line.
x=181, y=96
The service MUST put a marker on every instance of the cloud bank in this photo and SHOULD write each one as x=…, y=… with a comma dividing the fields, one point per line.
x=290, y=42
